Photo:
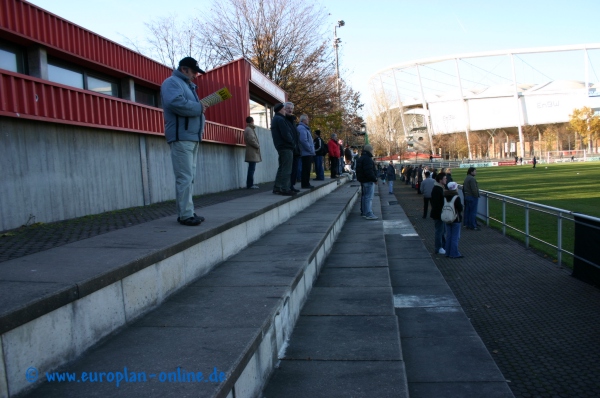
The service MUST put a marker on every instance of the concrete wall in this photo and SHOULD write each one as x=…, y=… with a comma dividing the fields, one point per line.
x=56, y=172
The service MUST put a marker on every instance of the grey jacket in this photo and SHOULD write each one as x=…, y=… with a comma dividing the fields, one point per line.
x=470, y=187
x=427, y=186
x=184, y=120
x=307, y=147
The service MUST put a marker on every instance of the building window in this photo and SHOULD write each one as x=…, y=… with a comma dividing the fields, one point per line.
x=71, y=75
x=65, y=76
x=260, y=112
x=145, y=96
x=11, y=59
x=102, y=86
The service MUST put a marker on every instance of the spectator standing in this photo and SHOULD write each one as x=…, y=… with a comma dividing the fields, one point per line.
x=391, y=176
x=348, y=156
x=419, y=177
x=437, y=202
x=453, y=228
x=334, y=155
x=284, y=143
x=307, y=150
x=366, y=172
x=291, y=119
x=449, y=179
x=471, y=194
x=341, y=158
x=320, y=151
x=426, y=187
x=252, y=151
x=534, y=162
x=184, y=126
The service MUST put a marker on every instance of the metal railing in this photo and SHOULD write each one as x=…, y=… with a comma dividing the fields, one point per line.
x=483, y=212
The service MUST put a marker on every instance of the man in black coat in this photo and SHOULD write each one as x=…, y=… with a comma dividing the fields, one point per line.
x=284, y=143
x=366, y=173
x=437, y=202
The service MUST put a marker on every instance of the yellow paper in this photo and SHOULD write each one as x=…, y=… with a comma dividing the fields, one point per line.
x=216, y=97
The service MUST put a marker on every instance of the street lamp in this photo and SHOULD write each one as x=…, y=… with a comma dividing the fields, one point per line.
x=336, y=43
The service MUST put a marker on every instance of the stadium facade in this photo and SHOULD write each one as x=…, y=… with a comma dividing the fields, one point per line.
x=490, y=90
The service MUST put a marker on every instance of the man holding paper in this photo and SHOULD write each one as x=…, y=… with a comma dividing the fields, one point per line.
x=184, y=125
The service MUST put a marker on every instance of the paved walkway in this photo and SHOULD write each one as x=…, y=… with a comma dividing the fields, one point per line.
x=39, y=237
x=541, y=325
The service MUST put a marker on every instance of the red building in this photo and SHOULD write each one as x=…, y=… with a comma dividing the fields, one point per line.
x=55, y=71
x=82, y=123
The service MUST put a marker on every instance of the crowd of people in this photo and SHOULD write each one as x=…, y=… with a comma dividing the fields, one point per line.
x=447, y=210
x=298, y=150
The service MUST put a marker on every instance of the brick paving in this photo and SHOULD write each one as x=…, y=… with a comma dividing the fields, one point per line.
x=39, y=237
x=541, y=325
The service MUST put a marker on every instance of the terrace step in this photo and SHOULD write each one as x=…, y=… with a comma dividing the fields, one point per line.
x=63, y=301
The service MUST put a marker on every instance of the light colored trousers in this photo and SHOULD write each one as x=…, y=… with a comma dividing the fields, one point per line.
x=184, y=155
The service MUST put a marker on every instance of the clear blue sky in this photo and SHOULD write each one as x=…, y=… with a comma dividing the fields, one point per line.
x=382, y=33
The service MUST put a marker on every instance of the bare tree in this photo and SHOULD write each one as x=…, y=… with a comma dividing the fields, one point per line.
x=287, y=40
x=385, y=127
x=169, y=40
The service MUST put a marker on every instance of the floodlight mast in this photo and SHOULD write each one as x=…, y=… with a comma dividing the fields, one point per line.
x=336, y=42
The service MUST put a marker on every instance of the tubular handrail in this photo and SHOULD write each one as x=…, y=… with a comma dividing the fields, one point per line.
x=560, y=214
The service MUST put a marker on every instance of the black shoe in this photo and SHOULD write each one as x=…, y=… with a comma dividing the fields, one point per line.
x=307, y=187
x=190, y=222
x=292, y=189
x=287, y=193
x=195, y=216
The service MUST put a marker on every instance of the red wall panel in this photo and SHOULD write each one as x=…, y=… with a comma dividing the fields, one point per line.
x=31, y=98
x=235, y=76
x=63, y=104
x=40, y=26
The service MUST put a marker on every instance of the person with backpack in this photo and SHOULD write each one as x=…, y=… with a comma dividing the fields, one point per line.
x=451, y=215
x=320, y=152
x=437, y=202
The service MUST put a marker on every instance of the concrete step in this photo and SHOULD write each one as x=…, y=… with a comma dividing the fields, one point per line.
x=58, y=303
x=229, y=324
x=381, y=321
x=346, y=342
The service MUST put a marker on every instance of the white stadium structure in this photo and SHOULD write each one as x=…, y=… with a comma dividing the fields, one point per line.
x=492, y=90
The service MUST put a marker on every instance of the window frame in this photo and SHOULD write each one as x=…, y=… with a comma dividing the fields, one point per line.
x=19, y=55
x=85, y=73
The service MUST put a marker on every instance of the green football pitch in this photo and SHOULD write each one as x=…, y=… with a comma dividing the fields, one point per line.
x=568, y=186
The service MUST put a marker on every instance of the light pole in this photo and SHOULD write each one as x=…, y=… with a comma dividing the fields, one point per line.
x=336, y=43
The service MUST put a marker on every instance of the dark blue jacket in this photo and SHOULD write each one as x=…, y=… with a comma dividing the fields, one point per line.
x=365, y=168
x=282, y=133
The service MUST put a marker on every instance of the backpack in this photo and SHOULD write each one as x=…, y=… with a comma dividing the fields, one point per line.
x=448, y=211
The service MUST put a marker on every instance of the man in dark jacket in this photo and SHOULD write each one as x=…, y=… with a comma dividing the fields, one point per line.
x=291, y=119
x=320, y=153
x=366, y=173
x=284, y=143
x=437, y=202
x=471, y=194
